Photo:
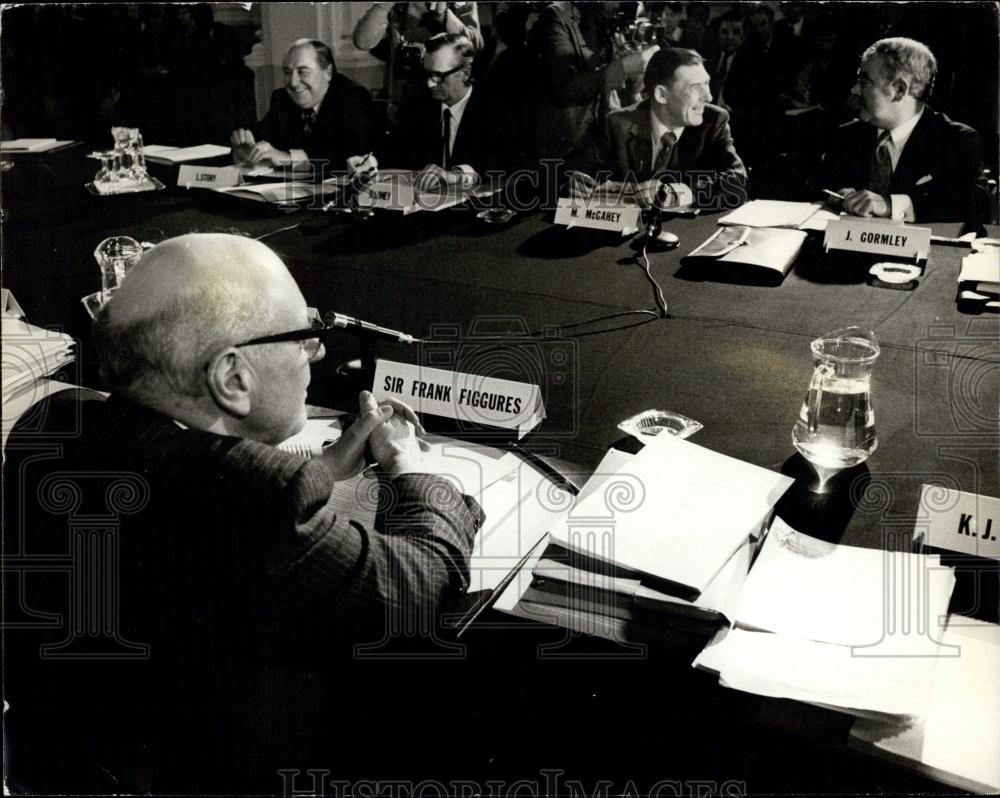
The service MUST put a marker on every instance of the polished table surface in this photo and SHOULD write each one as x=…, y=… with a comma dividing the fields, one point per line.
x=735, y=357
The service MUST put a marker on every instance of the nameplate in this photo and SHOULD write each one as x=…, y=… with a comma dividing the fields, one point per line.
x=878, y=238
x=396, y=195
x=617, y=217
x=472, y=398
x=193, y=176
x=963, y=522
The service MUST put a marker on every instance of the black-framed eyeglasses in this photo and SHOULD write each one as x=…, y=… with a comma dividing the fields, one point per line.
x=312, y=337
x=438, y=77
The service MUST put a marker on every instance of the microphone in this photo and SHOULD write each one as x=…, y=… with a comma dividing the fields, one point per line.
x=654, y=231
x=351, y=324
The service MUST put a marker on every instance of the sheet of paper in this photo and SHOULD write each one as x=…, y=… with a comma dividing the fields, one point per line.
x=519, y=508
x=878, y=601
x=771, y=213
x=782, y=666
x=676, y=511
x=819, y=220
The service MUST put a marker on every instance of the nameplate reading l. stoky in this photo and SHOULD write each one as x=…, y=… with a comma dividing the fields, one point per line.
x=193, y=176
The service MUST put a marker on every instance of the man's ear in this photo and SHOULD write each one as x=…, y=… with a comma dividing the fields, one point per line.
x=659, y=93
x=230, y=381
x=899, y=88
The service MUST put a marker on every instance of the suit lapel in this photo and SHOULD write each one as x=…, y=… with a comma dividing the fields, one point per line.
x=913, y=155
x=685, y=154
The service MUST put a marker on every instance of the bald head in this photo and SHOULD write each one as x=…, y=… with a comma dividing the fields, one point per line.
x=189, y=265
x=185, y=300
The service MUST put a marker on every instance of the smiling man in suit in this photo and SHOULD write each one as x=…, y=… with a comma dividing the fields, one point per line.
x=900, y=158
x=676, y=133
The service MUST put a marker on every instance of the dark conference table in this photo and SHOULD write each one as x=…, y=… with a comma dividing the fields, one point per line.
x=735, y=357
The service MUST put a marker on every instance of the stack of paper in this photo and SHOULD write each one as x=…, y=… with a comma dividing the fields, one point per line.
x=159, y=153
x=650, y=542
x=277, y=193
x=979, y=280
x=956, y=739
x=30, y=354
x=856, y=630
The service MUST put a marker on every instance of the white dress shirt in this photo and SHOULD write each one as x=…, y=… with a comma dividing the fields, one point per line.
x=658, y=130
x=900, y=205
x=457, y=111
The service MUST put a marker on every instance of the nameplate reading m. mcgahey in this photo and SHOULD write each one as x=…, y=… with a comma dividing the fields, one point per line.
x=957, y=521
x=193, y=176
x=615, y=216
x=486, y=401
x=878, y=238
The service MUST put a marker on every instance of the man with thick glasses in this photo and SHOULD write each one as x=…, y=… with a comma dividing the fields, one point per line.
x=235, y=566
x=457, y=133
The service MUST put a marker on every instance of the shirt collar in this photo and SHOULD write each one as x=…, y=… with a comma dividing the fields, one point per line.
x=901, y=133
x=458, y=108
x=659, y=128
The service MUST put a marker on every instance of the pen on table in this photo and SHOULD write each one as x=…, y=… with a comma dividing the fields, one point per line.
x=833, y=194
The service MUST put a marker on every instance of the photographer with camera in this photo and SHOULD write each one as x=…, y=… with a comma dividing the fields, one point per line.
x=396, y=33
x=577, y=81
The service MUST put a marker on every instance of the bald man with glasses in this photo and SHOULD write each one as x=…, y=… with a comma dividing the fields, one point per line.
x=237, y=570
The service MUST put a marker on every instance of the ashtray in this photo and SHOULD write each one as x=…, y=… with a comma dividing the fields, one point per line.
x=496, y=215
x=652, y=422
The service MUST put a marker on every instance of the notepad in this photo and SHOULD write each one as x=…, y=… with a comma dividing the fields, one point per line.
x=273, y=192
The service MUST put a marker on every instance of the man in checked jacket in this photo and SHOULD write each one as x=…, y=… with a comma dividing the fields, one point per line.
x=237, y=581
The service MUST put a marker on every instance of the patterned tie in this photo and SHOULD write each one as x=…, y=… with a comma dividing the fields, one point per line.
x=308, y=121
x=445, y=137
x=880, y=176
x=667, y=142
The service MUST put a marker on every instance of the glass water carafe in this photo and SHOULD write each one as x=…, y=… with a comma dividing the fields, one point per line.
x=836, y=424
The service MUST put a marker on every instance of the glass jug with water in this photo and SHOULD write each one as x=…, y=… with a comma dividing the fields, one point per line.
x=836, y=424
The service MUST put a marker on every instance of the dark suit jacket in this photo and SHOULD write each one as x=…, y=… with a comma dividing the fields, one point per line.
x=704, y=158
x=483, y=141
x=234, y=570
x=344, y=124
x=938, y=167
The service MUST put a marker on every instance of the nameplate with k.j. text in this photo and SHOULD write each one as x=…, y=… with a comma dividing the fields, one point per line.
x=957, y=521
x=878, y=238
